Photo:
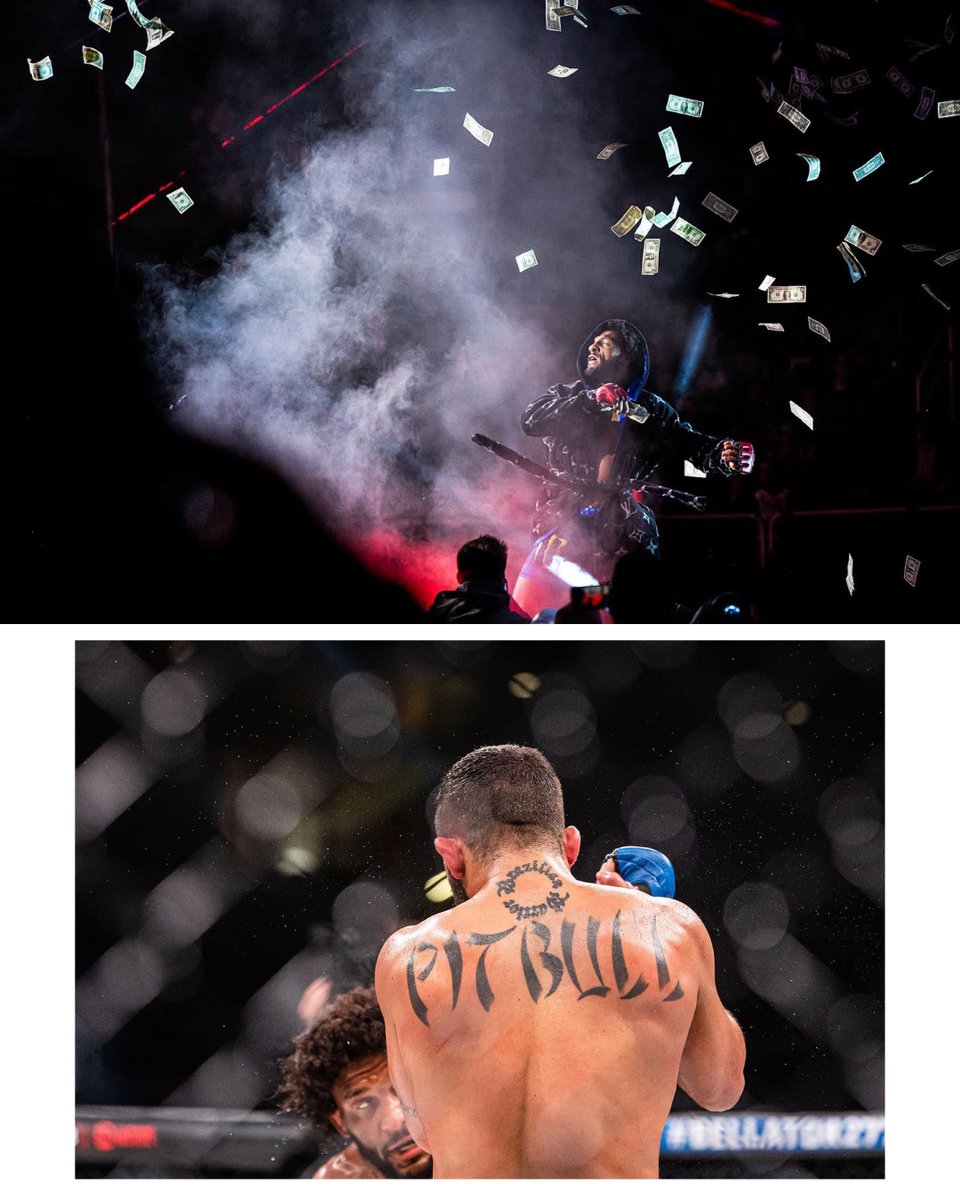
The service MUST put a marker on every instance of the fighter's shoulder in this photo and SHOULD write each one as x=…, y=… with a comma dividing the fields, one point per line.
x=684, y=920
x=399, y=944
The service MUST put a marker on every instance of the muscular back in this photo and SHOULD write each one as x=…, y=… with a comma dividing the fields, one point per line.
x=537, y=1029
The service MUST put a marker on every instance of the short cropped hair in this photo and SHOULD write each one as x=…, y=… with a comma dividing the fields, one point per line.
x=485, y=558
x=501, y=797
x=350, y=1030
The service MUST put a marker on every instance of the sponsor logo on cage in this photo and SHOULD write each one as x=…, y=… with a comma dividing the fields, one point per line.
x=822, y=1134
x=106, y=1135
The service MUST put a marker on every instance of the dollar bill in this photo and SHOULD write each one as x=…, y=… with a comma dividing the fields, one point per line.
x=863, y=241
x=136, y=71
x=868, y=168
x=802, y=414
x=849, y=579
x=773, y=326
x=794, y=116
x=819, y=328
x=668, y=140
x=646, y=221
x=787, y=294
x=942, y=303
x=927, y=97
x=627, y=221
x=718, y=206
x=572, y=9
x=561, y=72
x=101, y=14
x=915, y=249
x=92, y=57
x=436, y=89
x=946, y=259
x=900, y=83
x=651, y=257
x=947, y=31
x=156, y=32
x=663, y=218
x=553, y=21
x=692, y=472
x=826, y=52
x=137, y=15
x=474, y=127
x=611, y=149
x=180, y=200
x=911, y=567
x=793, y=90
x=948, y=108
x=724, y=295
x=813, y=165
x=767, y=280
x=920, y=178
x=768, y=93
x=441, y=166
x=684, y=106
x=41, y=69
x=758, y=152
x=689, y=233
x=526, y=260
x=851, y=120
x=854, y=81
x=853, y=263
x=625, y=10
x=682, y=169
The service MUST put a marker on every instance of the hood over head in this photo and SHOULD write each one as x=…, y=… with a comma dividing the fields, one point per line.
x=636, y=346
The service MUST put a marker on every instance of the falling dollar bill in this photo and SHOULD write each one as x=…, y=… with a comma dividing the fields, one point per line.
x=572, y=9
x=436, y=89
x=948, y=108
x=946, y=259
x=773, y=326
x=606, y=152
x=868, y=168
x=526, y=260
x=794, y=116
x=758, y=153
x=136, y=71
x=947, y=31
x=474, y=127
x=850, y=574
x=802, y=414
x=41, y=69
x=900, y=83
x=853, y=82
x=689, y=233
x=724, y=295
x=853, y=263
x=863, y=241
x=920, y=178
x=668, y=140
x=767, y=93
x=92, y=57
x=561, y=72
x=625, y=10
x=180, y=200
x=912, y=246
x=101, y=14
x=819, y=328
x=692, y=472
x=911, y=566
x=137, y=15
x=441, y=166
x=663, y=218
x=646, y=221
x=919, y=48
x=627, y=221
x=682, y=169
x=785, y=294
x=767, y=280
x=156, y=32
x=651, y=257
x=813, y=165
x=684, y=106
x=718, y=206
x=553, y=21
x=942, y=303
x=826, y=52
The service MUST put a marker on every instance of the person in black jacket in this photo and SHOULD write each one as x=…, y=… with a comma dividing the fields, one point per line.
x=482, y=596
x=606, y=429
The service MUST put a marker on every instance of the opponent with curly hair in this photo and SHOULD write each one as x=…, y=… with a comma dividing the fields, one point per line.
x=337, y=1073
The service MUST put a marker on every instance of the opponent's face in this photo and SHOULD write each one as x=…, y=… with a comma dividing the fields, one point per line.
x=368, y=1110
x=607, y=360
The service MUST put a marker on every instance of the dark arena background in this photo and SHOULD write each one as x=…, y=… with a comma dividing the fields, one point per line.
x=261, y=405
x=253, y=819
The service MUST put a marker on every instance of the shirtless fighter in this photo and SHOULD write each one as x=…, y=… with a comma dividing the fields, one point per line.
x=541, y=1026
